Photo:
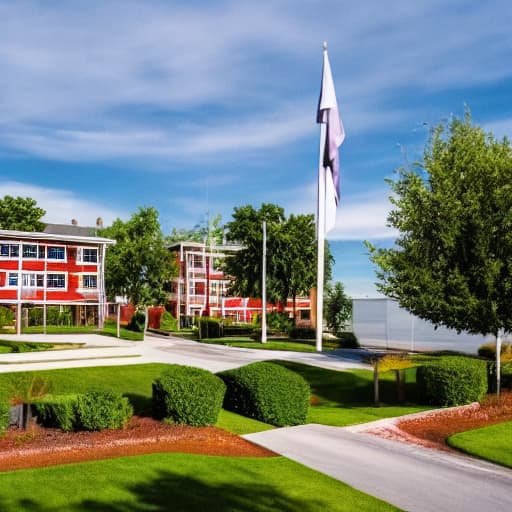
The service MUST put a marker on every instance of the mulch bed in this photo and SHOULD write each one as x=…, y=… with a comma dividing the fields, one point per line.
x=432, y=428
x=39, y=447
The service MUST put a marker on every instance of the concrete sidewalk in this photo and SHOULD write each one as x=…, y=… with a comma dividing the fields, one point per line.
x=408, y=476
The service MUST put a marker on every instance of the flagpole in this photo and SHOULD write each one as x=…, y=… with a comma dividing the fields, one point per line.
x=320, y=235
x=264, y=287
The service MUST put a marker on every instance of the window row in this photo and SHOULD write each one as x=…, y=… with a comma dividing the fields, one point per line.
x=53, y=281
x=53, y=252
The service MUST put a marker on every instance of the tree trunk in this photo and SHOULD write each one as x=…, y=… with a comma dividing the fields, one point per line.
x=400, y=385
x=376, y=384
x=498, y=362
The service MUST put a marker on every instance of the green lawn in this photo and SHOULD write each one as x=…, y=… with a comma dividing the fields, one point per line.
x=346, y=398
x=180, y=482
x=490, y=443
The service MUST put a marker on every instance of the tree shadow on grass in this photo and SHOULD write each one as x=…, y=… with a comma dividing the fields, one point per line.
x=169, y=491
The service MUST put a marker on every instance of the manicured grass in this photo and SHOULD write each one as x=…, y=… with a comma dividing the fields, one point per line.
x=271, y=344
x=7, y=346
x=240, y=424
x=133, y=381
x=346, y=398
x=181, y=482
x=490, y=443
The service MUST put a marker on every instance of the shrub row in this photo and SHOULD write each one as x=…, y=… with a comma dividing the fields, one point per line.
x=452, y=381
x=4, y=413
x=188, y=396
x=267, y=392
x=94, y=410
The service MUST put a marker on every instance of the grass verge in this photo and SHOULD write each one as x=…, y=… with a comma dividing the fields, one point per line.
x=489, y=443
x=181, y=482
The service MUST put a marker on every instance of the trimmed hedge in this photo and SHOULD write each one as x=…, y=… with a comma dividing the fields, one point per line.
x=209, y=328
x=452, y=381
x=488, y=350
x=267, y=392
x=100, y=409
x=57, y=411
x=5, y=416
x=94, y=410
x=347, y=339
x=168, y=322
x=188, y=396
x=137, y=322
x=302, y=333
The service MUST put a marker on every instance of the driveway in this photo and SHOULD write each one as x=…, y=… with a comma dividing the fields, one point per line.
x=408, y=476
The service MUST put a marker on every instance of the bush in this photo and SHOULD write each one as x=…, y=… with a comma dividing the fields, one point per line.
x=100, y=409
x=238, y=330
x=168, y=322
x=347, y=340
x=6, y=317
x=506, y=376
x=489, y=351
x=452, y=381
x=188, y=396
x=267, y=392
x=209, y=328
x=5, y=416
x=57, y=412
x=279, y=322
x=137, y=322
x=302, y=333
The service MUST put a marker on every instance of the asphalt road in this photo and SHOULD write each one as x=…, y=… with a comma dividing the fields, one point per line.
x=408, y=476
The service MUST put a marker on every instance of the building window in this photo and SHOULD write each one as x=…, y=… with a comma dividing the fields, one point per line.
x=56, y=253
x=87, y=255
x=9, y=250
x=13, y=279
x=90, y=281
x=56, y=280
x=29, y=251
x=32, y=280
x=41, y=252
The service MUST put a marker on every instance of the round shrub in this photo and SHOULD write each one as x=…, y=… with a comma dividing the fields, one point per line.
x=267, y=392
x=452, y=381
x=57, y=411
x=137, y=322
x=347, y=339
x=100, y=409
x=188, y=396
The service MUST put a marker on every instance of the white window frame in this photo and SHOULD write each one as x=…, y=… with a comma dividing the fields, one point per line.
x=65, y=287
x=8, y=280
x=63, y=247
x=32, y=276
x=11, y=246
x=36, y=246
x=82, y=281
x=80, y=255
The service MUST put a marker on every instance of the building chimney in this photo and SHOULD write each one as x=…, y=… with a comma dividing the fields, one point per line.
x=74, y=222
x=99, y=222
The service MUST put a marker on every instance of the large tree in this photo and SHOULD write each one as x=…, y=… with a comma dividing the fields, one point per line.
x=291, y=252
x=20, y=214
x=211, y=232
x=452, y=263
x=139, y=265
x=337, y=308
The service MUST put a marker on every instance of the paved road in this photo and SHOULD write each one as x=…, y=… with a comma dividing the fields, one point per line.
x=411, y=477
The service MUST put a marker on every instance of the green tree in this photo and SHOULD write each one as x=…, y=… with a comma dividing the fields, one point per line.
x=452, y=262
x=139, y=265
x=210, y=232
x=337, y=308
x=291, y=253
x=20, y=214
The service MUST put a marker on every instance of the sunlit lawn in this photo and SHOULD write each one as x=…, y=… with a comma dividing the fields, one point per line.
x=491, y=443
x=181, y=482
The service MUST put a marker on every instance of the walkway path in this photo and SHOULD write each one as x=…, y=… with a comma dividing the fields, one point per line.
x=408, y=476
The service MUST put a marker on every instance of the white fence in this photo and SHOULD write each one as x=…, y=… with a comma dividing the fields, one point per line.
x=382, y=323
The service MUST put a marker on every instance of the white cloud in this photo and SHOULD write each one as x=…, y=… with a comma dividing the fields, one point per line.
x=499, y=128
x=62, y=205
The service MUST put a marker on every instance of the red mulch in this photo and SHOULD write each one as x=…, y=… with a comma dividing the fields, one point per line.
x=38, y=447
x=432, y=428
x=436, y=427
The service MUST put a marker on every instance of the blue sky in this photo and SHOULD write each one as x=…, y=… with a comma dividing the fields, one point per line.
x=197, y=107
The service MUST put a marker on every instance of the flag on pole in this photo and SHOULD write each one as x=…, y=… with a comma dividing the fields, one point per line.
x=329, y=115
